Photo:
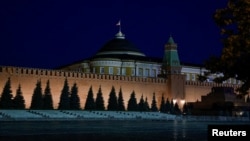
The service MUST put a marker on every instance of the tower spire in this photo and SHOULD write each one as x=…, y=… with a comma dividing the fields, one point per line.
x=119, y=35
x=171, y=61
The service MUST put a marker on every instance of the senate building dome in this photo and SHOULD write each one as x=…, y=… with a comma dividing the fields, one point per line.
x=119, y=46
x=119, y=56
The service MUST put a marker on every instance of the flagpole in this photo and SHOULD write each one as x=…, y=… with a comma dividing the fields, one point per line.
x=119, y=34
x=120, y=28
x=119, y=24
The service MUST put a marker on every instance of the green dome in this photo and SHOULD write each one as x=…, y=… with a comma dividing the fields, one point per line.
x=120, y=46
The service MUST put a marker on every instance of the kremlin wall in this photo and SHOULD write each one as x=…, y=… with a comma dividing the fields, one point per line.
x=28, y=77
x=190, y=91
x=120, y=64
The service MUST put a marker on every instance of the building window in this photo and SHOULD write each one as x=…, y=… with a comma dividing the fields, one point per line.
x=140, y=72
x=123, y=71
x=146, y=72
x=153, y=73
x=193, y=77
x=93, y=70
x=118, y=71
x=187, y=77
x=111, y=70
x=133, y=71
x=102, y=70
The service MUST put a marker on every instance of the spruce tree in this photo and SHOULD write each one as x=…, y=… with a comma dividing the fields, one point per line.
x=112, y=102
x=18, y=101
x=176, y=108
x=185, y=109
x=141, y=104
x=163, y=105
x=121, y=106
x=132, y=102
x=47, y=98
x=6, y=97
x=168, y=106
x=146, y=105
x=154, y=104
x=90, y=102
x=64, y=103
x=99, y=100
x=74, y=98
x=172, y=106
x=37, y=97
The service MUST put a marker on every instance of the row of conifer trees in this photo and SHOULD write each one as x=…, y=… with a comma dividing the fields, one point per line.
x=69, y=100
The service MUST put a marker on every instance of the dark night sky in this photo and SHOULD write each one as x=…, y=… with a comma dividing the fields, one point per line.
x=51, y=33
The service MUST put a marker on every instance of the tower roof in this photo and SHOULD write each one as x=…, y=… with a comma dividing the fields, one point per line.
x=171, y=60
x=171, y=40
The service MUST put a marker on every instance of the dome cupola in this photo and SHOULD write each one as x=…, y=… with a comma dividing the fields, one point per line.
x=119, y=46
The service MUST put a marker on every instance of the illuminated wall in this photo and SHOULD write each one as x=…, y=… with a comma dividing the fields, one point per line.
x=28, y=77
x=176, y=87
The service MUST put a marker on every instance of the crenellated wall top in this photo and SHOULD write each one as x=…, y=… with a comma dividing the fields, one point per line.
x=10, y=70
x=212, y=84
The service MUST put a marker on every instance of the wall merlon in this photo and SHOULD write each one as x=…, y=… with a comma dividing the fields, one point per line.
x=27, y=78
x=211, y=84
x=73, y=74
